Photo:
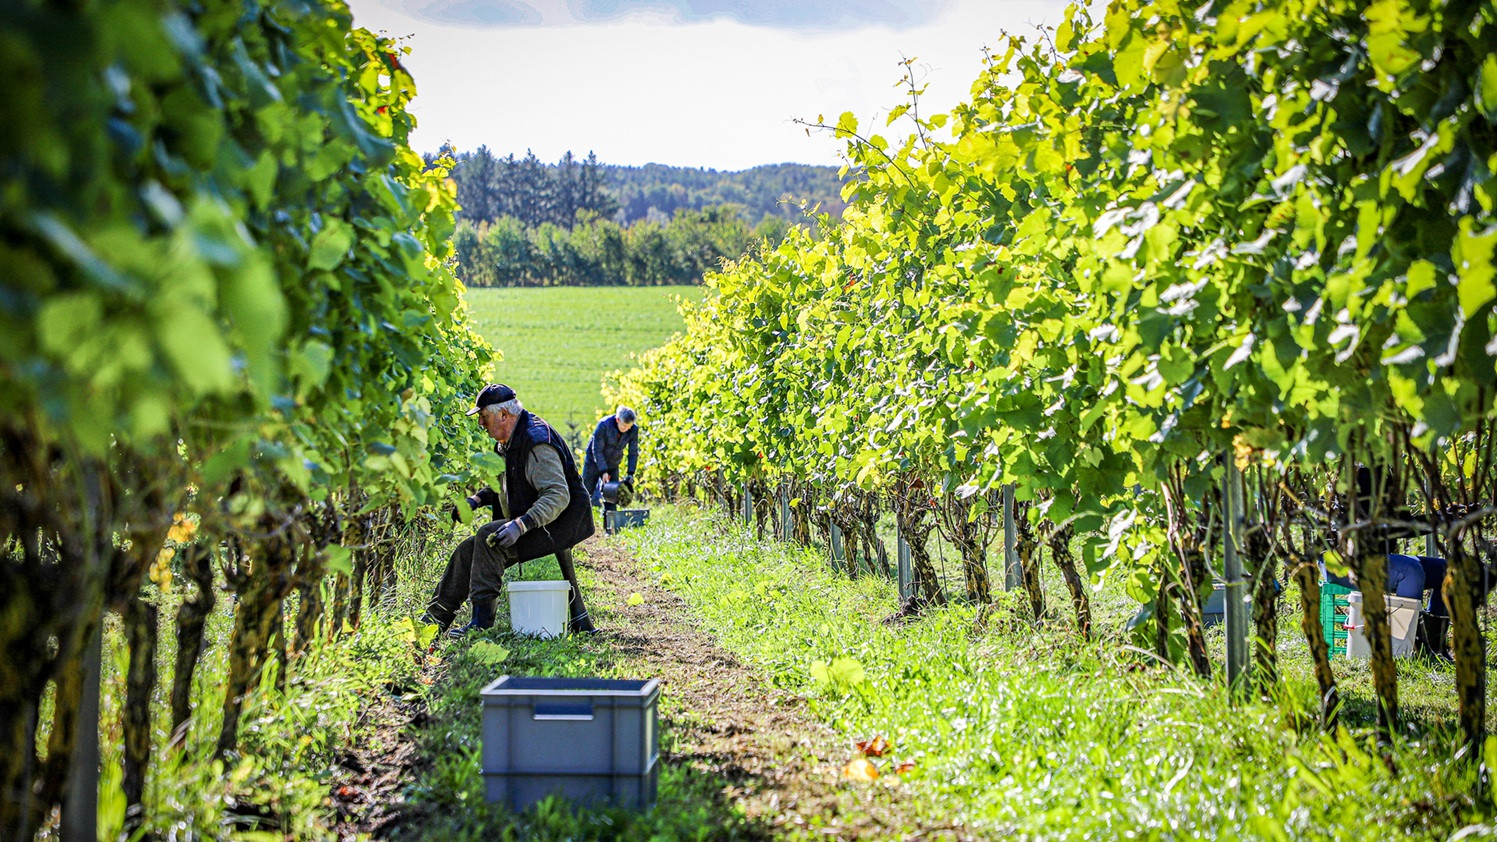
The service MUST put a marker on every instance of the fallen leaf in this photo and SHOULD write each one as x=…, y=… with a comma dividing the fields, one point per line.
x=905, y=767
x=488, y=652
x=877, y=746
x=860, y=769
x=635, y=599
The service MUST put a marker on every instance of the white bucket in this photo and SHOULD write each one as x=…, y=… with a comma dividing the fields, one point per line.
x=538, y=608
x=1403, y=617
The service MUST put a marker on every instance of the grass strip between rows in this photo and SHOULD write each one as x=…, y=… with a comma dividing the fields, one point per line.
x=1028, y=731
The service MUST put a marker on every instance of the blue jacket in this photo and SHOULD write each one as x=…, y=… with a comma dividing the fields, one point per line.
x=606, y=448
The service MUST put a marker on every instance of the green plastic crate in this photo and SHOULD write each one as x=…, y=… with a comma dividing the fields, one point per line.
x=1333, y=608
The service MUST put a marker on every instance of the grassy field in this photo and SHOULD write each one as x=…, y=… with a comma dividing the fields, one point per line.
x=559, y=342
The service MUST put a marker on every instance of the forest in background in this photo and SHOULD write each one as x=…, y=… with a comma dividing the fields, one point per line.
x=580, y=222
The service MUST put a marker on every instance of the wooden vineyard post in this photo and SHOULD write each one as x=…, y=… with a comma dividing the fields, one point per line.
x=836, y=541
x=1232, y=602
x=79, y=821
x=1013, y=573
x=748, y=506
x=906, y=580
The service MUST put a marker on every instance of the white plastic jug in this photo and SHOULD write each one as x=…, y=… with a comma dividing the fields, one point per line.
x=538, y=608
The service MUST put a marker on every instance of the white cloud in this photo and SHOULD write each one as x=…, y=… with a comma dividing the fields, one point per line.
x=773, y=14
x=718, y=93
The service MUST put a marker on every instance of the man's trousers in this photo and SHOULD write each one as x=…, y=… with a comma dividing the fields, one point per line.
x=476, y=570
x=592, y=476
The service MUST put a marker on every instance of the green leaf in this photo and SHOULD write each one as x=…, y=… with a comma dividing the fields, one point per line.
x=843, y=673
x=635, y=599
x=1335, y=564
x=1389, y=25
x=339, y=560
x=254, y=302
x=1474, y=269
x=1128, y=61
x=196, y=349
x=488, y=653
x=330, y=245
x=66, y=321
x=312, y=363
x=260, y=179
x=1486, y=88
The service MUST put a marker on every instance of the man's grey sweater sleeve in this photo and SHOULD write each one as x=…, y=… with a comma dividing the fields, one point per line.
x=544, y=473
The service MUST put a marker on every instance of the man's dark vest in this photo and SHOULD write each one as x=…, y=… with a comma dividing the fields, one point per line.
x=575, y=523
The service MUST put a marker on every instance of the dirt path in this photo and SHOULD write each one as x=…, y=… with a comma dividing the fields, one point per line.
x=368, y=791
x=780, y=765
x=783, y=766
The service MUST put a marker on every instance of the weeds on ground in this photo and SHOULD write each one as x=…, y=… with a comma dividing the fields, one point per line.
x=1020, y=730
x=295, y=728
x=293, y=731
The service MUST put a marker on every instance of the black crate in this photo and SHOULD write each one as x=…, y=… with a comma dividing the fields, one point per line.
x=616, y=519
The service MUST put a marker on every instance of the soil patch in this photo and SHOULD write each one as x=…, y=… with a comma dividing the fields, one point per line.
x=368, y=787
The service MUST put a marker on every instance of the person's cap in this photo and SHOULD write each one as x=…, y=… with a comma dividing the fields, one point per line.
x=492, y=394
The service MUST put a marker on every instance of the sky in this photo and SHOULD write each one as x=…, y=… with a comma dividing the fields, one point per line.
x=701, y=83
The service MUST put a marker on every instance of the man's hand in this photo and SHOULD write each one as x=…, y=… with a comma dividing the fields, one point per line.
x=509, y=533
x=606, y=477
x=457, y=516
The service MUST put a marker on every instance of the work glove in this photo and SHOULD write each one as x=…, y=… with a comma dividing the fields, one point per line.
x=508, y=534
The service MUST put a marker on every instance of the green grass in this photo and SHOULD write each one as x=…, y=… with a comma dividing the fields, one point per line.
x=1028, y=732
x=559, y=342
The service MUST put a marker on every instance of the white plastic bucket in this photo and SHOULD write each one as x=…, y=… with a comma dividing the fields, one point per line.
x=538, y=609
x=1403, y=617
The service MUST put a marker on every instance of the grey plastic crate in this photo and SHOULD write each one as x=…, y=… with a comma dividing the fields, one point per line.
x=591, y=740
x=616, y=519
x=1214, y=611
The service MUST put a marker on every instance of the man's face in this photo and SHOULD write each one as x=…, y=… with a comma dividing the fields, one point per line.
x=499, y=425
x=624, y=426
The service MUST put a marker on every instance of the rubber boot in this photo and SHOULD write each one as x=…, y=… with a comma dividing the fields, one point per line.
x=1429, y=639
x=483, y=618
x=578, y=621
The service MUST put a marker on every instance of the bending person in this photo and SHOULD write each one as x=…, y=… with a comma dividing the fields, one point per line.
x=605, y=452
x=1408, y=575
x=541, y=510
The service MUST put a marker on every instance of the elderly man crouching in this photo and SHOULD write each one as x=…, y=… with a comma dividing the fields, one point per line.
x=542, y=510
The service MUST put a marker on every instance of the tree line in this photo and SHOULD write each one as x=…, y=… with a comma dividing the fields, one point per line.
x=600, y=252
x=579, y=222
